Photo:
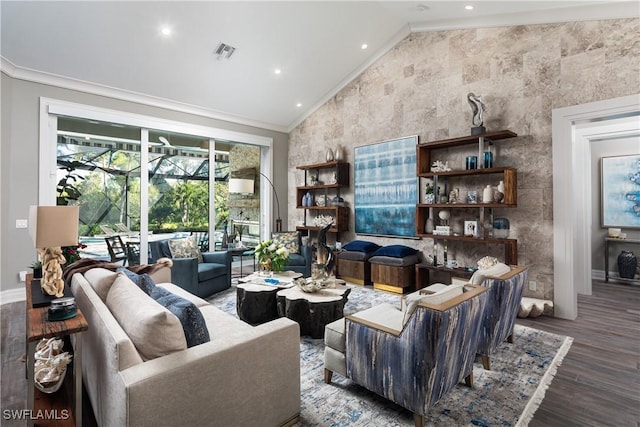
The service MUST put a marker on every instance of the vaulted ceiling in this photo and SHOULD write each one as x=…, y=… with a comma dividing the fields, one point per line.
x=289, y=57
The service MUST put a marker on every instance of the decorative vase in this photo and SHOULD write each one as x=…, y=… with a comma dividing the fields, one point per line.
x=487, y=194
x=329, y=155
x=429, y=198
x=501, y=228
x=501, y=187
x=627, y=263
x=265, y=267
x=339, y=154
x=428, y=225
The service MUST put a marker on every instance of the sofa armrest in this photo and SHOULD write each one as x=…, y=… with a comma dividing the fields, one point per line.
x=219, y=380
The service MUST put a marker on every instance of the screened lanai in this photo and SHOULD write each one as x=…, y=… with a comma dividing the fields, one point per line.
x=99, y=167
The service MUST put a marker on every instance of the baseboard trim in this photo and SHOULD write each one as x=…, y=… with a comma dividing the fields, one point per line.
x=12, y=295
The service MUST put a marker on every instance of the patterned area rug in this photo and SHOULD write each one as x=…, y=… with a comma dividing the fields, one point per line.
x=508, y=395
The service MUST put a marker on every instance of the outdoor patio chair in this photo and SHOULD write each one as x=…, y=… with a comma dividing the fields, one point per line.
x=116, y=249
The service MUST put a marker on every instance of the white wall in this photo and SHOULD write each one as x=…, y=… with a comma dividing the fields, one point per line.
x=599, y=149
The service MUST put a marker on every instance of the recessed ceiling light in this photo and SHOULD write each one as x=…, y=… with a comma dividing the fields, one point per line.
x=299, y=104
x=422, y=7
x=277, y=71
x=469, y=7
x=364, y=46
x=166, y=31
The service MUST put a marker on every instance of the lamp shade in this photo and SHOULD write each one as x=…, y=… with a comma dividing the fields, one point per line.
x=241, y=185
x=52, y=226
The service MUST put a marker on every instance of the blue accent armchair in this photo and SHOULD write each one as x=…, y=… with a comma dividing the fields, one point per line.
x=413, y=358
x=201, y=279
x=505, y=294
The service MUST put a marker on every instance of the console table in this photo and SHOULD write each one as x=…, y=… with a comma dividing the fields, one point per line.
x=607, y=243
x=38, y=327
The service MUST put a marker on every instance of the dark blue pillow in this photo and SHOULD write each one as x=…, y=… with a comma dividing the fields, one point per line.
x=360, y=246
x=144, y=281
x=395, y=251
x=193, y=324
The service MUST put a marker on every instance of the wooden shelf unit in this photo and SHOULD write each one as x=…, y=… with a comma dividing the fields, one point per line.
x=510, y=200
x=340, y=213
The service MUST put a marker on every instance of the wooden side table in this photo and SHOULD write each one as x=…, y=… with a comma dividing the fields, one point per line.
x=38, y=327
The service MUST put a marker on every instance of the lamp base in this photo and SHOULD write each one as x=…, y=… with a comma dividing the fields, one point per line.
x=41, y=299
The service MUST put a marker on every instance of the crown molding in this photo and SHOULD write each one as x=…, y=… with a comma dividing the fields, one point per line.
x=607, y=10
x=35, y=76
x=390, y=44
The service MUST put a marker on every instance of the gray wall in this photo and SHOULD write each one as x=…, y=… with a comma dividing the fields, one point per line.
x=19, y=171
x=522, y=72
x=599, y=149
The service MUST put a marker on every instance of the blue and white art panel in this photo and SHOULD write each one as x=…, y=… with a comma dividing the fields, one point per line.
x=621, y=191
x=386, y=188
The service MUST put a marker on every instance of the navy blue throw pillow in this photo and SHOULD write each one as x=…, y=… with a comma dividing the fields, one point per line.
x=144, y=281
x=395, y=251
x=360, y=246
x=190, y=316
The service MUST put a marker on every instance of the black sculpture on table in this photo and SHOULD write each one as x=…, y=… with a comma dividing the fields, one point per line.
x=322, y=243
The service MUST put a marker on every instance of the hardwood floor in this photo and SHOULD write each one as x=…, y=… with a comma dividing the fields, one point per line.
x=598, y=383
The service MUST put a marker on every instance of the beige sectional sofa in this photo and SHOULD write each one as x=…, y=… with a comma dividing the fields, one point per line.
x=244, y=375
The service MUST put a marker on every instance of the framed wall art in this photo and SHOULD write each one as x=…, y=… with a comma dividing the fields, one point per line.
x=386, y=188
x=620, y=191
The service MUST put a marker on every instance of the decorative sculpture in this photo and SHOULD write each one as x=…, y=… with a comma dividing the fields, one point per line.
x=438, y=166
x=322, y=243
x=52, y=260
x=478, y=107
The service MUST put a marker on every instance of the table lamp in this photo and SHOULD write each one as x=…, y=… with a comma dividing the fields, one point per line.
x=50, y=228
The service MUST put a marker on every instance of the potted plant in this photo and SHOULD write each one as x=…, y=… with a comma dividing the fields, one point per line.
x=37, y=269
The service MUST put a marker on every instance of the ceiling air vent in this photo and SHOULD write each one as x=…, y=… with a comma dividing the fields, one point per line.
x=224, y=50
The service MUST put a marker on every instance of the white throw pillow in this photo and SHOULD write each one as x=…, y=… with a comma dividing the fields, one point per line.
x=496, y=270
x=153, y=329
x=442, y=293
x=101, y=280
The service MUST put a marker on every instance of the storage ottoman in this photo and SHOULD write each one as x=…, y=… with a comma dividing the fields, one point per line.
x=353, y=261
x=394, y=270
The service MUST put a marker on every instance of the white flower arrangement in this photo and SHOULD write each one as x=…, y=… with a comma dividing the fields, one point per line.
x=272, y=253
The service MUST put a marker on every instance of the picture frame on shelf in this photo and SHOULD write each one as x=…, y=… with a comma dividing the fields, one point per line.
x=471, y=228
x=386, y=188
x=620, y=191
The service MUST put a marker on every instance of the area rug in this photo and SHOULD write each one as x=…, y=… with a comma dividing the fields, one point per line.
x=508, y=395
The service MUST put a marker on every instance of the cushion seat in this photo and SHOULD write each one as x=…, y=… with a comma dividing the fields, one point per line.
x=208, y=271
x=334, y=335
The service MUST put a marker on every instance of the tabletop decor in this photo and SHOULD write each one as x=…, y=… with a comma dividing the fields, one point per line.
x=271, y=256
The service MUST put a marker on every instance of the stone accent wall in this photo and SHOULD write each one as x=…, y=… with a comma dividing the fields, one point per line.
x=522, y=73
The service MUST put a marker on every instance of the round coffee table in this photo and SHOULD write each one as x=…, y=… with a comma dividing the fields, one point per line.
x=312, y=311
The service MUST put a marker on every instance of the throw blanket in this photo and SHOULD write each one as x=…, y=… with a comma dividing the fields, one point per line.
x=85, y=264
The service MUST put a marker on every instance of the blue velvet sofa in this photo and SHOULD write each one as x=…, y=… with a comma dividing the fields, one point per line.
x=199, y=278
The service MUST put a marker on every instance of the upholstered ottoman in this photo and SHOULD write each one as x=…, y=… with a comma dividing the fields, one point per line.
x=353, y=262
x=393, y=268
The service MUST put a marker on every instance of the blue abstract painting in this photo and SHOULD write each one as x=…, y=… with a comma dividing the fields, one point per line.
x=620, y=191
x=386, y=188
